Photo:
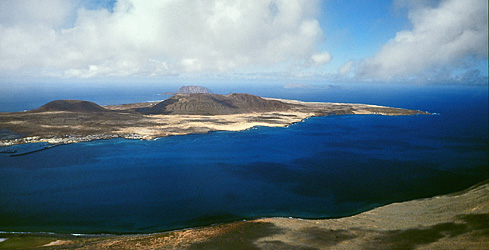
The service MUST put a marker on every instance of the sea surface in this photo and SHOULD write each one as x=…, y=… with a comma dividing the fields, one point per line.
x=323, y=167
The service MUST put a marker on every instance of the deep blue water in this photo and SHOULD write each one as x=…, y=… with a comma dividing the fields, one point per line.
x=322, y=167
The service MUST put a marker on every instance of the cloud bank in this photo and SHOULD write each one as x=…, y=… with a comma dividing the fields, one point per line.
x=254, y=39
x=162, y=38
x=447, y=36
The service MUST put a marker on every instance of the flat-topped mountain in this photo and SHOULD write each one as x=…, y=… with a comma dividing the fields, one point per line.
x=214, y=104
x=191, y=89
x=72, y=106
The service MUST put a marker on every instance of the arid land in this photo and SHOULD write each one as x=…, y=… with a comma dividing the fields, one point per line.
x=455, y=221
x=70, y=121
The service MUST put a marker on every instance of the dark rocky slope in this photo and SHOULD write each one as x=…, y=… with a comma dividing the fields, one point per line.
x=71, y=106
x=214, y=104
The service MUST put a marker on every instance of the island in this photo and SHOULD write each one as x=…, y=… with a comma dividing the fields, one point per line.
x=71, y=121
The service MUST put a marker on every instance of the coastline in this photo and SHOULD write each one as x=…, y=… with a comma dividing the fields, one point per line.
x=456, y=220
x=62, y=127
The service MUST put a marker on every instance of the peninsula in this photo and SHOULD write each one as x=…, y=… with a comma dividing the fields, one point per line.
x=71, y=121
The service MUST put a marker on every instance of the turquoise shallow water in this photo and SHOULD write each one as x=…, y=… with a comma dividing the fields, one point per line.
x=322, y=167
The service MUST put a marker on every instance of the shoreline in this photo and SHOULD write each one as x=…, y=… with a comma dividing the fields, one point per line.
x=259, y=218
x=454, y=219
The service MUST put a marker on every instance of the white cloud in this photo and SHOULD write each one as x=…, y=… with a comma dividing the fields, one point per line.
x=156, y=37
x=321, y=58
x=450, y=35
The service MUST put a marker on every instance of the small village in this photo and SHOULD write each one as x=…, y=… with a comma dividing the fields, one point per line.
x=71, y=139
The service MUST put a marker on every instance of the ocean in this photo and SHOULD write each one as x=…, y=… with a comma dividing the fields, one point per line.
x=323, y=167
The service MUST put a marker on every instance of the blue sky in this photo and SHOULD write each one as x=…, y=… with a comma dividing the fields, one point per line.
x=352, y=32
x=289, y=41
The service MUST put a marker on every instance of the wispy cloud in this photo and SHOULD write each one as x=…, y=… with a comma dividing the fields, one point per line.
x=345, y=68
x=307, y=86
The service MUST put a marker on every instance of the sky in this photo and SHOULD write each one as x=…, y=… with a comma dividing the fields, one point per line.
x=289, y=41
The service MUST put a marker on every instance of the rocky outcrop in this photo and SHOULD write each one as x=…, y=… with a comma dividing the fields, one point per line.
x=191, y=89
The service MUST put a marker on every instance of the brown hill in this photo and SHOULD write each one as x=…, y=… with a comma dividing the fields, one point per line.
x=72, y=106
x=214, y=104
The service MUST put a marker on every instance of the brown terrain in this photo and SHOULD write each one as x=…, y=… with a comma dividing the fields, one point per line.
x=455, y=221
x=68, y=121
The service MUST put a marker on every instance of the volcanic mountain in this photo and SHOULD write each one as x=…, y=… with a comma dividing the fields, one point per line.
x=71, y=106
x=214, y=104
